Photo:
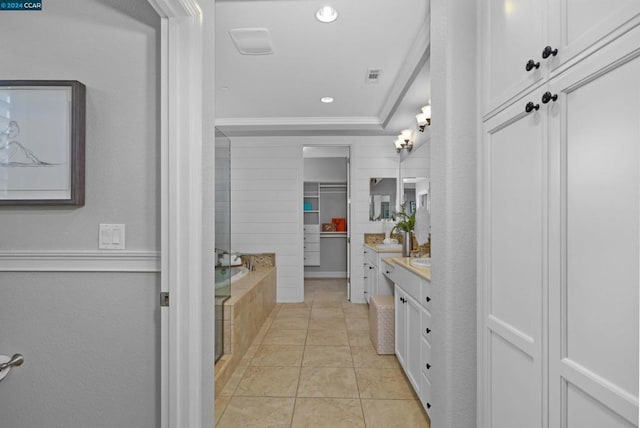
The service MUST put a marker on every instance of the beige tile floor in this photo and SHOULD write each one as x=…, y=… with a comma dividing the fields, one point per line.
x=313, y=365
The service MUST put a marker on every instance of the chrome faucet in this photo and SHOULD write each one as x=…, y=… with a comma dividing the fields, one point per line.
x=246, y=260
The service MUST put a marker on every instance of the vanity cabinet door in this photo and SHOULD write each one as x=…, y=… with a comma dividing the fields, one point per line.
x=400, y=326
x=408, y=317
x=413, y=360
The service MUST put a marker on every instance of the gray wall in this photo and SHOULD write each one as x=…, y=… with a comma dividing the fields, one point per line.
x=91, y=339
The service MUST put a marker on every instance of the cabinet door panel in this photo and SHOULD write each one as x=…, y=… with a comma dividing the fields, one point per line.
x=513, y=34
x=594, y=289
x=400, y=326
x=513, y=250
x=514, y=150
x=575, y=27
x=584, y=411
x=514, y=381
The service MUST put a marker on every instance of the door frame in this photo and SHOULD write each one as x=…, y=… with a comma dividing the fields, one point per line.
x=186, y=378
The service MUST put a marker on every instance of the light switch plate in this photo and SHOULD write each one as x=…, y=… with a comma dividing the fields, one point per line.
x=111, y=237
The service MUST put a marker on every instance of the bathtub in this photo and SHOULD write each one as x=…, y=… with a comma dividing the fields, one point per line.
x=237, y=272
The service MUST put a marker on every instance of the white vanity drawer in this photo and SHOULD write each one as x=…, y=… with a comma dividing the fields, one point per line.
x=312, y=258
x=370, y=256
x=311, y=228
x=387, y=270
x=312, y=237
x=425, y=358
x=425, y=393
x=425, y=291
x=311, y=246
x=426, y=325
x=408, y=281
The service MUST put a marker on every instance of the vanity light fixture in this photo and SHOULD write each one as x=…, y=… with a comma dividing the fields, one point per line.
x=424, y=118
x=404, y=141
x=326, y=14
x=326, y=100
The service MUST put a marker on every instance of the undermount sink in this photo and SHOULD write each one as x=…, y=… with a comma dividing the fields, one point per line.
x=424, y=262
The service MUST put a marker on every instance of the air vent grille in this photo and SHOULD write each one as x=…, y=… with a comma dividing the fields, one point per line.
x=373, y=75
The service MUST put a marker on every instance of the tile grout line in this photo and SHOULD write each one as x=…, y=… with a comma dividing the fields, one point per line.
x=364, y=421
x=304, y=350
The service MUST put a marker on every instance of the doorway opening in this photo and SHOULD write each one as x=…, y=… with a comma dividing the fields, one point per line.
x=326, y=194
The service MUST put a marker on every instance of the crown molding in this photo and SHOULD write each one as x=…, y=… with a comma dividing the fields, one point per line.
x=79, y=261
x=176, y=8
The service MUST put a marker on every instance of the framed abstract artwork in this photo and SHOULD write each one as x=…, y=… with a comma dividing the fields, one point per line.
x=42, y=141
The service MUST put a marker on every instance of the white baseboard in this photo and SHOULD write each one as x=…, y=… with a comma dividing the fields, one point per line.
x=79, y=261
x=325, y=274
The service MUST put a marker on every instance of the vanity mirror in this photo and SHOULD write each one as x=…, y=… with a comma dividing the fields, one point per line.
x=382, y=198
x=415, y=193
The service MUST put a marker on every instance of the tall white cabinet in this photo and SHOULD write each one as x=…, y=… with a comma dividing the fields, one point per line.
x=559, y=214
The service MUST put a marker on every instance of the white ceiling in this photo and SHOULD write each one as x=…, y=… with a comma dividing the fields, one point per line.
x=281, y=92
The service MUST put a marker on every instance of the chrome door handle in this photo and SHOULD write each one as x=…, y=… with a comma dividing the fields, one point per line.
x=15, y=361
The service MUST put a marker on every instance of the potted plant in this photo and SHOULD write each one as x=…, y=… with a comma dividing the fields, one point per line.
x=405, y=225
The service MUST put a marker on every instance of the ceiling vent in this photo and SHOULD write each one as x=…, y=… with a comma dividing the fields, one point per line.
x=373, y=75
x=252, y=41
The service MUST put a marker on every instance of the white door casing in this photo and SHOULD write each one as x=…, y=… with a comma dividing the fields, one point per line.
x=187, y=362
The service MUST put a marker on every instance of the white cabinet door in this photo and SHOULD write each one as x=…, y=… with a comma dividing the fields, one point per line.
x=575, y=26
x=413, y=361
x=401, y=326
x=513, y=34
x=513, y=285
x=594, y=212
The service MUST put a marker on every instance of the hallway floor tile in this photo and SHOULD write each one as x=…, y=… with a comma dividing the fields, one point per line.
x=313, y=365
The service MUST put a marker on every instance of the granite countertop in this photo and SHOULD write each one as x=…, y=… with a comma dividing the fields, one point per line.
x=405, y=262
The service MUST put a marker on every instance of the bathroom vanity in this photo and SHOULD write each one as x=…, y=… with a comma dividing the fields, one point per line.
x=413, y=324
x=375, y=281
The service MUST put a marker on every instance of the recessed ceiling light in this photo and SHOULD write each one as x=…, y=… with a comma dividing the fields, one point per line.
x=327, y=14
x=326, y=100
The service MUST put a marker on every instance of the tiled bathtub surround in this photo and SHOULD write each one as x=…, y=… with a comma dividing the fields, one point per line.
x=252, y=300
x=312, y=365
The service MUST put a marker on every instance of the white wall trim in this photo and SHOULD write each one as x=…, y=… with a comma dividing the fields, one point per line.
x=186, y=379
x=76, y=261
x=326, y=274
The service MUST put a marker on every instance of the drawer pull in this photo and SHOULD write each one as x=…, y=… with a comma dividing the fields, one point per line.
x=403, y=300
x=548, y=51
x=531, y=64
x=428, y=299
x=428, y=405
x=428, y=330
x=531, y=107
x=428, y=366
x=546, y=97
